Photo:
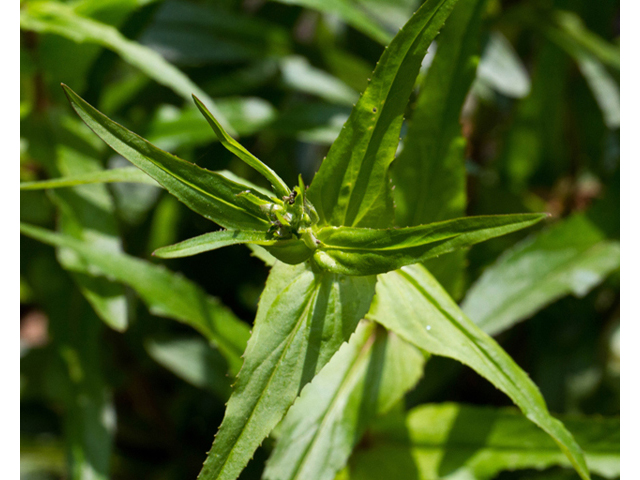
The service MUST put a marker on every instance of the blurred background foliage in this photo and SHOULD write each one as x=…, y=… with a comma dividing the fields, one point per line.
x=140, y=396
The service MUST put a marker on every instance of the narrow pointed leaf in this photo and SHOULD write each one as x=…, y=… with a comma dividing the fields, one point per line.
x=365, y=251
x=458, y=441
x=571, y=257
x=411, y=303
x=242, y=153
x=352, y=186
x=60, y=19
x=131, y=175
x=208, y=193
x=429, y=174
x=364, y=379
x=303, y=318
x=213, y=241
x=166, y=293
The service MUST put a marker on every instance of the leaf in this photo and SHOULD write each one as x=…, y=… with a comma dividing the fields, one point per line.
x=87, y=213
x=571, y=257
x=242, y=153
x=205, y=192
x=193, y=360
x=303, y=318
x=60, y=19
x=502, y=70
x=429, y=174
x=604, y=88
x=457, y=441
x=365, y=378
x=214, y=240
x=352, y=186
x=411, y=303
x=103, y=176
x=352, y=13
x=365, y=251
x=167, y=294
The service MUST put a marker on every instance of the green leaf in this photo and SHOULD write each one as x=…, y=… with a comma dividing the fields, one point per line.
x=87, y=213
x=411, y=303
x=214, y=240
x=60, y=19
x=573, y=256
x=367, y=376
x=458, y=441
x=352, y=13
x=367, y=251
x=352, y=186
x=429, y=174
x=167, y=294
x=242, y=153
x=303, y=318
x=128, y=174
x=501, y=69
x=207, y=193
x=193, y=360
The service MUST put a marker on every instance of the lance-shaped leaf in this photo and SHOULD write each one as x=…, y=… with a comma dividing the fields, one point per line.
x=208, y=193
x=242, y=153
x=352, y=186
x=571, y=257
x=365, y=378
x=303, y=318
x=166, y=293
x=131, y=175
x=429, y=174
x=459, y=441
x=366, y=251
x=63, y=20
x=214, y=240
x=411, y=303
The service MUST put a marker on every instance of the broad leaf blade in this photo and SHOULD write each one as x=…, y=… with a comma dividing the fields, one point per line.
x=303, y=318
x=207, y=193
x=459, y=441
x=214, y=240
x=364, y=251
x=60, y=19
x=166, y=293
x=411, y=303
x=571, y=257
x=131, y=175
x=364, y=379
x=242, y=153
x=352, y=186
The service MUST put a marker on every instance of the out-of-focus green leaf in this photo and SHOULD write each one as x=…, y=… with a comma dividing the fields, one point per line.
x=298, y=74
x=214, y=240
x=501, y=69
x=207, y=193
x=312, y=122
x=173, y=128
x=87, y=212
x=429, y=174
x=193, y=360
x=193, y=34
x=102, y=176
x=368, y=251
x=242, y=153
x=365, y=378
x=571, y=257
x=355, y=14
x=61, y=19
x=303, y=318
x=411, y=303
x=458, y=441
x=605, y=89
x=352, y=186
x=166, y=293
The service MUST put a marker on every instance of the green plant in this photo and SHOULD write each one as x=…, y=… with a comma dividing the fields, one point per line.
x=346, y=268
